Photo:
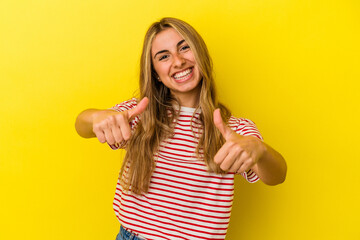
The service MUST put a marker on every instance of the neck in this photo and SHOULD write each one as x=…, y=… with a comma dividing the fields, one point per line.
x=188, y=102
x=188, y=99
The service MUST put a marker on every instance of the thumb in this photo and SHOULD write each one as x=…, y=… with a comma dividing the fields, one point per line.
x=140, y=108
x=219, y=123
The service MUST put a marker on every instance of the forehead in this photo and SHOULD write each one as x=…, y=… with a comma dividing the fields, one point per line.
x=165, y=40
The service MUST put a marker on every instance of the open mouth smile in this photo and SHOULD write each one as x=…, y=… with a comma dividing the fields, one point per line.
x=183, y=76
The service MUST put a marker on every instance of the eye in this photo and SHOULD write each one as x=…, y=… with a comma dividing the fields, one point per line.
x=163, y=57
x=185, y=47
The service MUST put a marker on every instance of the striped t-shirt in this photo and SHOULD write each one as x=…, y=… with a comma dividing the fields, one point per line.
x=184, y=200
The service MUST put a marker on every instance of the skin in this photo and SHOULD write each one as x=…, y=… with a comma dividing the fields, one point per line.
x=241, y=153
x=108, y=125
x=114, y=127
x=170, y=54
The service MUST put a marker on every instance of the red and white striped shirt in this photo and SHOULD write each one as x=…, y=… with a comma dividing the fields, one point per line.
x=184, y=200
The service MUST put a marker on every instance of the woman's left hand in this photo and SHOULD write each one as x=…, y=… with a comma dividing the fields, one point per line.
x=239, y=153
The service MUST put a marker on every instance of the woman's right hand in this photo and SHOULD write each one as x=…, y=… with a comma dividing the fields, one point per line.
x=114, y=127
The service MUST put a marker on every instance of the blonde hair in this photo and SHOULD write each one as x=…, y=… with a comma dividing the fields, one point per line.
x=158, y=118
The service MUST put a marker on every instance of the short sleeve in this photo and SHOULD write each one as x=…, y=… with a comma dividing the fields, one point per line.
x=126, y=105
x=246, y=127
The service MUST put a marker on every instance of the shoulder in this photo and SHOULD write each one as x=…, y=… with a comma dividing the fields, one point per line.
x=244, y=126
x=126, y=105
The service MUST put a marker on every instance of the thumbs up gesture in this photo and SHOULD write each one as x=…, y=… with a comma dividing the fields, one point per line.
x=239, y=153
x=114, y=127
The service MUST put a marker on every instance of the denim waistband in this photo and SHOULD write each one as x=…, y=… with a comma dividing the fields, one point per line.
x=127, y=235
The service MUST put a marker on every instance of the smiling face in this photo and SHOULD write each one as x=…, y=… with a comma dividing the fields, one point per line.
x=174, y=62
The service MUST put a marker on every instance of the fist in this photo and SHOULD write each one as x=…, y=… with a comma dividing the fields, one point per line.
x=114, y=127
x=239, y=153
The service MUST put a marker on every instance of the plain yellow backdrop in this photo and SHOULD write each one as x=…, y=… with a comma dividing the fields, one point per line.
x=290, y=66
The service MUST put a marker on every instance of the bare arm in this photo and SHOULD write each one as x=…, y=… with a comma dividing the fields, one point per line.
x=108, y=125
x=241, y=153
x=84, y=121
x=271, y=167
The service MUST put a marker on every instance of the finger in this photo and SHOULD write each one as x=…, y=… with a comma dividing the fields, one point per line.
x=236, y=164
x=141, y=106
x=233, y=157
x=245, y=167
x=248, y=162
x=99, y=134
x=222, y=153
x=117, y=134
x=219, y=123
x=112, y=124
x=124, y=127
x=109, y=136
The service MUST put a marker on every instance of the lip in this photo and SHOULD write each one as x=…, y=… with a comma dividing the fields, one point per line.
x=185, y=79
x=180, y=71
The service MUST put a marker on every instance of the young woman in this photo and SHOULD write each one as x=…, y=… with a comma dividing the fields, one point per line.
x=183, y=146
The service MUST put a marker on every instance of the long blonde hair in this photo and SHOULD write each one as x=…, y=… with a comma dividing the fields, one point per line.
x=156, y=122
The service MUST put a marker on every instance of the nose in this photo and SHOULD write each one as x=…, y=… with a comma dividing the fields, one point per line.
x=178, y=60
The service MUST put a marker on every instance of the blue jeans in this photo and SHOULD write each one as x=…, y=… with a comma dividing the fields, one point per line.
x=126, y=235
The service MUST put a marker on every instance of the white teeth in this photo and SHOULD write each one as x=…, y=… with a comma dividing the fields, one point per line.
x=183, y=73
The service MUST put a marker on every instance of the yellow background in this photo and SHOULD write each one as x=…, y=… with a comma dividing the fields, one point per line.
x=290, y=66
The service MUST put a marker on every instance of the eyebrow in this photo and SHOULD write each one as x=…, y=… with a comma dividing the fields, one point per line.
x=177, y=45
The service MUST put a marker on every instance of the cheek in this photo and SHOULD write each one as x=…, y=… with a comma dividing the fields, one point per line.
x=157, y=69
x=163, y=69
x=190, y=57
